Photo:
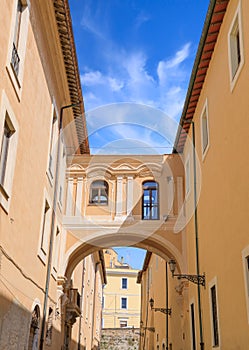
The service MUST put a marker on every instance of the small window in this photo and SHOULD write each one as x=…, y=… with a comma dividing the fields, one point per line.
x=123, y=323
x=15, y=59
x=187, y=176
x=48, y=340
x=245, y=257
x=124, y=283
x=99, y=192
x=44, y=224
x=192, y=325
x=214, y=314
x=247, y=273
x=123, y=303
x=204, y=130
x=8, y=151
x=235, y=46
x=56, y=250
x=52, y=146
x=5, y=148
x=150, y=210
x=34, y=328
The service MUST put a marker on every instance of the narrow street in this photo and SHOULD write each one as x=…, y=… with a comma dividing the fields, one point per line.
x=123, y=127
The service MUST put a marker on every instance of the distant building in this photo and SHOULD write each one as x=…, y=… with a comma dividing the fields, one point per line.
x=121, y=295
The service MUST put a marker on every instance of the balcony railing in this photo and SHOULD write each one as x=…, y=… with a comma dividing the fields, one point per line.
x=15, y=60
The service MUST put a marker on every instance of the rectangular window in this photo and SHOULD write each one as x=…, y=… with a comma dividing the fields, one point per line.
x=150, y=201
x=192, y=320
x=247, y=274
x=7, y=133
x=123, y=303
x=8, y=150
x=187, y=176
x=56, y=250
x=124, y=283
x=236, y=57
x=245, y=260
x=52, y=146
x=214, y=313
x=123, y=323
x=44, y=238
x=15, y=59
x=204, y=130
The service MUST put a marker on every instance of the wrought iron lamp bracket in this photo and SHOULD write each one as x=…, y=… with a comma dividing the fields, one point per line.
x=163, y=310
x=197, y=279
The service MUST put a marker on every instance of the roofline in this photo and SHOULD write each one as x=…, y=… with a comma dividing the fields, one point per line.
x=201, y=45
x=67, y=42
x=145, y=266
x=102, y=261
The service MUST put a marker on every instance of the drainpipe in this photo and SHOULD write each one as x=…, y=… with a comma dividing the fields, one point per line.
x=197, y=239
x=167, y=305
x=51, y=241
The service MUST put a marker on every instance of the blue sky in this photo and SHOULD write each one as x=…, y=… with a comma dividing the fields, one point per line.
x=137, y=50
x=132, y=256
x=135, y=53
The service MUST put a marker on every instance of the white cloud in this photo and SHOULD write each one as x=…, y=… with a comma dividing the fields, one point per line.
x=128, y=80
x=90, y=21
x=171, y=68
x=115, y=84
x=91, y=78
x=141, y=19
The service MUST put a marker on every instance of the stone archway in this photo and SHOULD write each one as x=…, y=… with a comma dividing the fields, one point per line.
x=156, y=244
x=120, y=222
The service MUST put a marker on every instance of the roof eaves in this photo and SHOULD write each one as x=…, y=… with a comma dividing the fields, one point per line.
x=65, y=31
x=199, y=64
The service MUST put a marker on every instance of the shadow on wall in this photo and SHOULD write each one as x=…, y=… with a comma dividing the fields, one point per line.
x=20, y=328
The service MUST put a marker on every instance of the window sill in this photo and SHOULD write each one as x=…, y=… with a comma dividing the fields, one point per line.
x=144, y=219
x=98, y=204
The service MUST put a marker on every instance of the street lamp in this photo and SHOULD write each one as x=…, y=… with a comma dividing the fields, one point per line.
x=160, y=309
x=197, y=279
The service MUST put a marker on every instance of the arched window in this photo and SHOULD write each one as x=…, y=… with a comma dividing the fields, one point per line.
x=49, y=327
x=34, y=329
x=150, y=209
x=99, y=192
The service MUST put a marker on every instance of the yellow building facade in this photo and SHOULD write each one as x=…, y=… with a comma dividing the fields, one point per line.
x=121, y=295
x=40, y=95
x=214, y=312
x=190, y=206
x=164, y=307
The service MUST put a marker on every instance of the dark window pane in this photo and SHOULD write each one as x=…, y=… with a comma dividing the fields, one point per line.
x=215, y=317
x=150, y=201
x=124, y=283
x=99, y=192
